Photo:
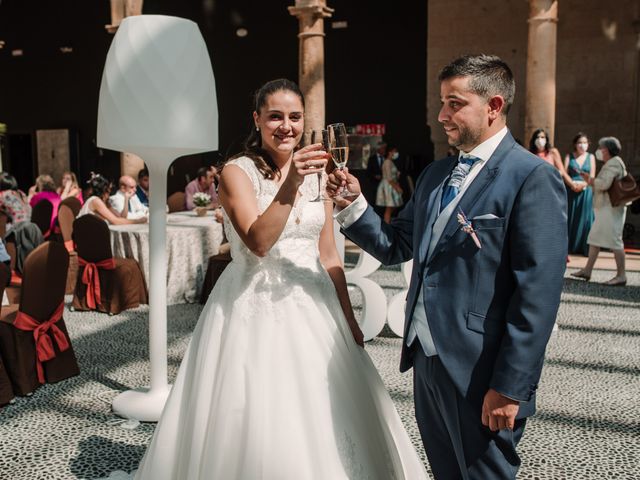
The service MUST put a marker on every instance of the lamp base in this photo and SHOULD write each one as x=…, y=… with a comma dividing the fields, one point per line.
x=141, y=404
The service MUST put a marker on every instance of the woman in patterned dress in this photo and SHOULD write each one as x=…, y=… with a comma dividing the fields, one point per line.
x=13, y=202
x=389, y=193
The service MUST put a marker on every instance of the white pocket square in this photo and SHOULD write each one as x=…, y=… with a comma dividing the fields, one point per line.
x=486, y=216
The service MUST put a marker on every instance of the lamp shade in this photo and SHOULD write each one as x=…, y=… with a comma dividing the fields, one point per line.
x=157, y=96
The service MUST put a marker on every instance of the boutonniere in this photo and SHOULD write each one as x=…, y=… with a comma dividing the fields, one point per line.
x=467, y=227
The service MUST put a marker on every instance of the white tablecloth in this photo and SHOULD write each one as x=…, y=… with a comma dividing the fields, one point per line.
x=191, y=240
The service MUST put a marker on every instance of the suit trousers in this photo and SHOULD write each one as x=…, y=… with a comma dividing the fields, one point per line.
x=458, y=446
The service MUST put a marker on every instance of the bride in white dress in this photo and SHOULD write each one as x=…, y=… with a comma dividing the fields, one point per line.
x=275, y=384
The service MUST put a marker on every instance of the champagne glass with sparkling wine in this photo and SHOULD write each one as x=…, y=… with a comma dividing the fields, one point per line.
x=339, y=149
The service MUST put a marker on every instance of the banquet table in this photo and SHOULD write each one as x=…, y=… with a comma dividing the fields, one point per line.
x=191, y=240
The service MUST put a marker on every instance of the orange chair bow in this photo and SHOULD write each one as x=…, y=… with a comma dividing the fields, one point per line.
x=16, y=279
x=91, y=278
x=42, y=336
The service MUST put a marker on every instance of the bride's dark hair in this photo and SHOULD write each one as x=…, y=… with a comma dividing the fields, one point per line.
x=252, y=146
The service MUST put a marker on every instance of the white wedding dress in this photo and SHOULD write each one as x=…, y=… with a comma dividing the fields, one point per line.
x=272, y=385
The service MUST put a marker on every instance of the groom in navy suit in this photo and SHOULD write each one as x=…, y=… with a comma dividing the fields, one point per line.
x=487, y=232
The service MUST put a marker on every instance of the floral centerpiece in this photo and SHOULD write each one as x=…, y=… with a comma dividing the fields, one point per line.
x=201, y=200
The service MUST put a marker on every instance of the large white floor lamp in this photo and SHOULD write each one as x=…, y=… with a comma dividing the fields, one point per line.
x=157, y=100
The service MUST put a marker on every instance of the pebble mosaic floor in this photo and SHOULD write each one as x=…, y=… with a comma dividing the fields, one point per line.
x=587, y=426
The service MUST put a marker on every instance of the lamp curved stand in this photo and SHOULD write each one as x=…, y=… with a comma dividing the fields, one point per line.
x=146, y=404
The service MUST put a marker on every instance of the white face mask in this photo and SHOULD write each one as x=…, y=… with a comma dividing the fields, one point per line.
x=582, y=146
x=541, y=143
x=599, y=155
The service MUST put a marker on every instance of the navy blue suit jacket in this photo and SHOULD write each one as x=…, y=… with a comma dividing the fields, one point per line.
x=490, y=310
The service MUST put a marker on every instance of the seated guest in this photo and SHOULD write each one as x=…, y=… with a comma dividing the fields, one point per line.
x=4, y=255
x=142, y=190
x=69, y=187
x=96, y=204
x=45, y=189
x=203, y=183
x=26, y=236
x=13, y=202
x=125, y=202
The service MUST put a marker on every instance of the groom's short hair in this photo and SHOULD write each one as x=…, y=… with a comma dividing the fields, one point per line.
x=488, y=75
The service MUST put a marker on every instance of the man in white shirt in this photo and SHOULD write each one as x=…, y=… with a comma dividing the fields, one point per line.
x=125, y=203
x=487, y=233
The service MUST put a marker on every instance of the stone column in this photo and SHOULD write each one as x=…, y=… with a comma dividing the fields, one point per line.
x=311, y=15
x=117, y=14
x=130, y=164
x=121, y=9
x=541, y=68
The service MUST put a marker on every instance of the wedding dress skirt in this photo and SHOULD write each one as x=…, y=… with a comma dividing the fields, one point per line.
x=272, y=385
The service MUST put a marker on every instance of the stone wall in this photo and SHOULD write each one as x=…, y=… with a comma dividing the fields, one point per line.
x=598, y=62
x=597, y=74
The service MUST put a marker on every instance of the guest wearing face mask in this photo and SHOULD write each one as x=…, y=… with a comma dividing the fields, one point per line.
x=580, y=194
x=389, y=194
x=539, y=145
x=609, y=222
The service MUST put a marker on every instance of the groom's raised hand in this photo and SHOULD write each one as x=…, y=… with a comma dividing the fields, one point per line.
x=340, y=180
x=499, y=412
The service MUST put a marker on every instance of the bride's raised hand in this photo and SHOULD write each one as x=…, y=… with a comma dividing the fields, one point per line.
x=308, y=160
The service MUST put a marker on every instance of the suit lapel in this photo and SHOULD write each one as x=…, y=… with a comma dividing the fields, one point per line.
x=430, y=215
x=473, y=193
x=431, y=209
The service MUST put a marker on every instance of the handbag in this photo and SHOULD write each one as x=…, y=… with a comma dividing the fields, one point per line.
x=624, y=190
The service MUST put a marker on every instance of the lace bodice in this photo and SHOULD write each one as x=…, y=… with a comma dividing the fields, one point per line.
x=299, y=240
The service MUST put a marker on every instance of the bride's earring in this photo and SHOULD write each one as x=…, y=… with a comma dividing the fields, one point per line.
x=257, y=129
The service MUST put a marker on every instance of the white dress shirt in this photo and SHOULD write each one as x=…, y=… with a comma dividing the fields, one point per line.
x=136, y=208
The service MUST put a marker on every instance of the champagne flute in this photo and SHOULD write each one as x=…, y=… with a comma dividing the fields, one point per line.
x=320, y=136
x=339, y=149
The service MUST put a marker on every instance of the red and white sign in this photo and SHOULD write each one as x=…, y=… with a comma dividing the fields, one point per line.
x=371, y=129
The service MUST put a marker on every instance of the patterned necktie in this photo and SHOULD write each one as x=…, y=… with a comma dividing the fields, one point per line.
x=460, y=172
